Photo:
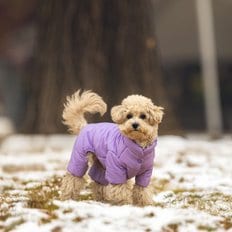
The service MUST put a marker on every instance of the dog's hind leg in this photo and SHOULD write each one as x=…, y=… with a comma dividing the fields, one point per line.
x=98, y=191
x=97, y=170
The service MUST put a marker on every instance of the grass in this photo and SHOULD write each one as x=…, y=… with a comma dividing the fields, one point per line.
x=206, y=228
x=50, y=217
x=42, y=196
x=4, y=216
x=171, y=228
x=217, y=204
x=213, y=203
x=160, y=185
x=78, y=219
x=7, y=188
x=7, y=204
x=13, y=225
x=226, y=223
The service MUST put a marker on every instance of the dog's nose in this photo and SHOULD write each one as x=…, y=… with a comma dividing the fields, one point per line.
x=135, y=125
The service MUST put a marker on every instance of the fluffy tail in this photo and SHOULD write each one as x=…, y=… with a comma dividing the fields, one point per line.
x=77, y=105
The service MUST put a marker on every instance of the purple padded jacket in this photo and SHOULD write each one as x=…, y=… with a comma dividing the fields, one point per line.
x=118, y=157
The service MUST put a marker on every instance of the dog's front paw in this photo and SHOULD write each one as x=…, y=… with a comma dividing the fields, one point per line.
x=71, y=187
x=142, y=196
x=119, y=194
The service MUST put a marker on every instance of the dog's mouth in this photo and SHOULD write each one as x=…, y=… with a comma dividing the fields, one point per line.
x=136, y=132
x=137, y=135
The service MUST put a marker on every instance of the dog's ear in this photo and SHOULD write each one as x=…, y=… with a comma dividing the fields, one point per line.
x=118, y=114
x=156, y=113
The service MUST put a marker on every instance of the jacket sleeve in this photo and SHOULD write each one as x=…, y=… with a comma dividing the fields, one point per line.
x=78, y=163
x=115, y=172
x=144, y=178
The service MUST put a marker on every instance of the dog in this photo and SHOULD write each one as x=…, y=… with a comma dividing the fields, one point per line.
x=120, y=151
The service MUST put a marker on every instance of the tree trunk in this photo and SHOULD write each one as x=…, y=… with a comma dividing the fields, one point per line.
x=107, y=46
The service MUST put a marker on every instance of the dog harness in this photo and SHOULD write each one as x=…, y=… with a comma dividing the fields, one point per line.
x=117, y=157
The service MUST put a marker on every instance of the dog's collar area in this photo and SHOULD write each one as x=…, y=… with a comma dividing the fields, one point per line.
x=138, y=150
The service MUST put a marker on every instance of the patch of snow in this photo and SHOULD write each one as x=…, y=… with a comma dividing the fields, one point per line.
x=188, y=168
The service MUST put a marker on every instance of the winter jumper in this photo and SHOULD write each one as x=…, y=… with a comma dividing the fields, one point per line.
x=118, y=157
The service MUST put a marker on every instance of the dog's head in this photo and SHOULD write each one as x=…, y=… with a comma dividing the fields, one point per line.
x=138, y=118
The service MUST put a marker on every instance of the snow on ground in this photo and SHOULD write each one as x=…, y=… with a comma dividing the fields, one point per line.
x=192, y=183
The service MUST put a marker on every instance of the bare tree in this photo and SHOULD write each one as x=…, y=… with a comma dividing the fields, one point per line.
x=107, y=46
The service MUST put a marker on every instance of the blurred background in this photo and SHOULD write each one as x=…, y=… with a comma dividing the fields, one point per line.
x=177, y=52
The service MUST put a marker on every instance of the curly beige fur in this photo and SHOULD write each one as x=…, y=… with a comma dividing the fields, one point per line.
x=120, y=194
x=71, y=186
x=98, y=191
x=142, y=196
x=77, y=105
x=135, y=106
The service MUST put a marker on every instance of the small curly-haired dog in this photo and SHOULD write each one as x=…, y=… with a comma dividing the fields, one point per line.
x=120, y=151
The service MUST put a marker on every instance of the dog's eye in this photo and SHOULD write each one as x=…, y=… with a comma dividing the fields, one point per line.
x=129, y=116
x=142, y=116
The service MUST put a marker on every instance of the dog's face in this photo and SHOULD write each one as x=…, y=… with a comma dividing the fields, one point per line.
x=138, y=118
